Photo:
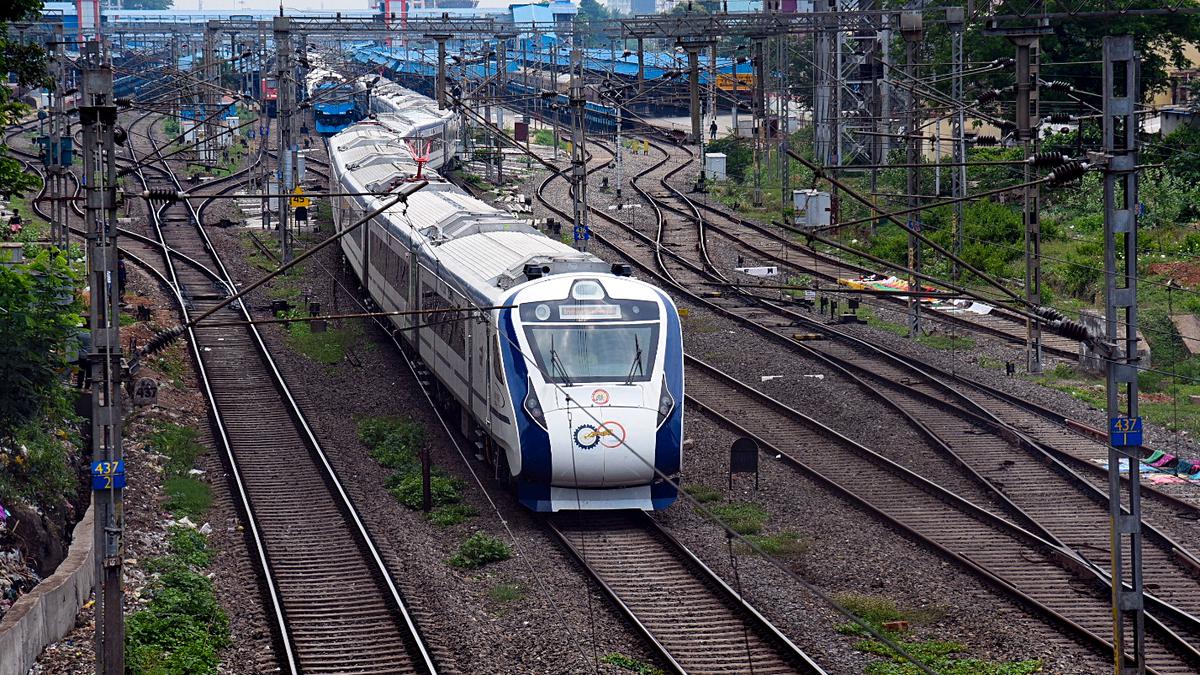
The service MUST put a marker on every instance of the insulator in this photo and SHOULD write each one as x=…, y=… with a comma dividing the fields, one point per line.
x=1049, y=313
x=1068, y=172
x=1007, y=125
x=548, y=94
x=161, y=339
x=986, y=139
x=1047, y=159
x=1073, y=330
x=120, y=136
x=1059, y=85
x=988, y=96
x=1007, y=62
x=161, y=195
x=1060, y=118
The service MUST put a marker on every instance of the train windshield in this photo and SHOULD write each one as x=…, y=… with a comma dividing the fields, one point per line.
x=574, y=354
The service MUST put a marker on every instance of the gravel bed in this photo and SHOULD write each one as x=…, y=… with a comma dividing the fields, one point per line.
x=561, y=624
x=850, y=551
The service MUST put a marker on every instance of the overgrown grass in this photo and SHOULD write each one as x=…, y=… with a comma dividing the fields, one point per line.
x=180, y=446
x=786, y=544
x=741, y=517
x=703, y=493
x=183, y=627
x=947, y=342
x=451, y=514
x=35, y=469
x=505, y=593
x=328, y=346
x=188, y=497
x=939, y=655
x=478, y=550
x=631, y=664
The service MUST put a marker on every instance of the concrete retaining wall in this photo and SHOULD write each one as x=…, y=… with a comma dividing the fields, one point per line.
x=47, y=613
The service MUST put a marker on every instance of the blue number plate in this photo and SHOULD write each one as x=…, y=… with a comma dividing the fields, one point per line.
x=1125, y=431
x=108, y=475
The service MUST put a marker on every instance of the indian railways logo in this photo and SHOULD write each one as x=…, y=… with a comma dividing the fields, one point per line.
x=600, y=397
x=586, y=436
x=609, y=434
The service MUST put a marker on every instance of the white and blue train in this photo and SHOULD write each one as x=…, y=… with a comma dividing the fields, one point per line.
x=573, y=378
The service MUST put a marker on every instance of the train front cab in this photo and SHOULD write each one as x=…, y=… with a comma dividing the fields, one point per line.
x=594, y=369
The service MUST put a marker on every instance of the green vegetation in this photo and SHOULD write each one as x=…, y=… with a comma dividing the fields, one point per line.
x=182, y=628
x=947, y=342
x=741, y=517
x=38, y=341
x=631, y=664
x=396, y=444
x=478, y=550
x=938, y=655
x=546, y=137
x=328, y=346
x=171, y=127
x=506, y=593
x=703, y=493
x=786, y=544
x=452, y=514
x=186, y=496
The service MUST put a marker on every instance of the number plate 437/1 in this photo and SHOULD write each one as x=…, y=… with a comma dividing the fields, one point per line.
x=108, y=475
x=1124, y=432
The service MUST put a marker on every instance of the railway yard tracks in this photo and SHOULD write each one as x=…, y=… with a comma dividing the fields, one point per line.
x=1047, y=543
x=333, y=603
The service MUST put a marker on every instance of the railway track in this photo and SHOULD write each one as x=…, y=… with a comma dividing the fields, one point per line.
x=696, y=621
x=684, y=275
x=335, y=605
x=332, y=602
x=779, y=246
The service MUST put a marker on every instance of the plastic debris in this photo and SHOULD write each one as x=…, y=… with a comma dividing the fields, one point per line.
x=206, y=529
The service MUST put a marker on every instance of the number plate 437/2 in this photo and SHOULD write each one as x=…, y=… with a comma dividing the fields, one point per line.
x=108, y=475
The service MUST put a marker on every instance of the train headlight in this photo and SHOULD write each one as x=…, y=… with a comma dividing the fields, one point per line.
x=665, y=403
x=533, y=406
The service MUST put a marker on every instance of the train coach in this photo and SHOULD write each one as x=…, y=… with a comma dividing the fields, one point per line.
x=567, y=368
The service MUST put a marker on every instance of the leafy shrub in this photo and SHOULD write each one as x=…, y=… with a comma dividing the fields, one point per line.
x=478, y=550
x=189, y=546
x=443, y=490
x=452, y=514
x=181, y=629
x=35, y=468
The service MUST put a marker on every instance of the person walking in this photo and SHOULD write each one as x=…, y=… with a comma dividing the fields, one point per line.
x=712, y=131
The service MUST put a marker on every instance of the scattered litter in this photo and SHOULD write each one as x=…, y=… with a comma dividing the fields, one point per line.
x=768, y=378
x=206, y=529
x=195, y=472
x=819, y=376
x=183, y=522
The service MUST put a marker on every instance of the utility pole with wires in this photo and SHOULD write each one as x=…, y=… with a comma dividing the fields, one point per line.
x=1027, y=112
x=955, y=20
x=1120, y=126
x=98, y=119
x=286, y=103
x=210, y=81
x=59, y=140
x=578, y=156
x=912, y=30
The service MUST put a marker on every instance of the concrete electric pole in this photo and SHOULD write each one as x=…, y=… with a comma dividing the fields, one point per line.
x=98, y=118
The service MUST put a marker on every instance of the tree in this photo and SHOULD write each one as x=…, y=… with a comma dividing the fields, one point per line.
x=27, y=62
x=148, y=4
x=40, y=319
x=1074, y=44
x=591, y=11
